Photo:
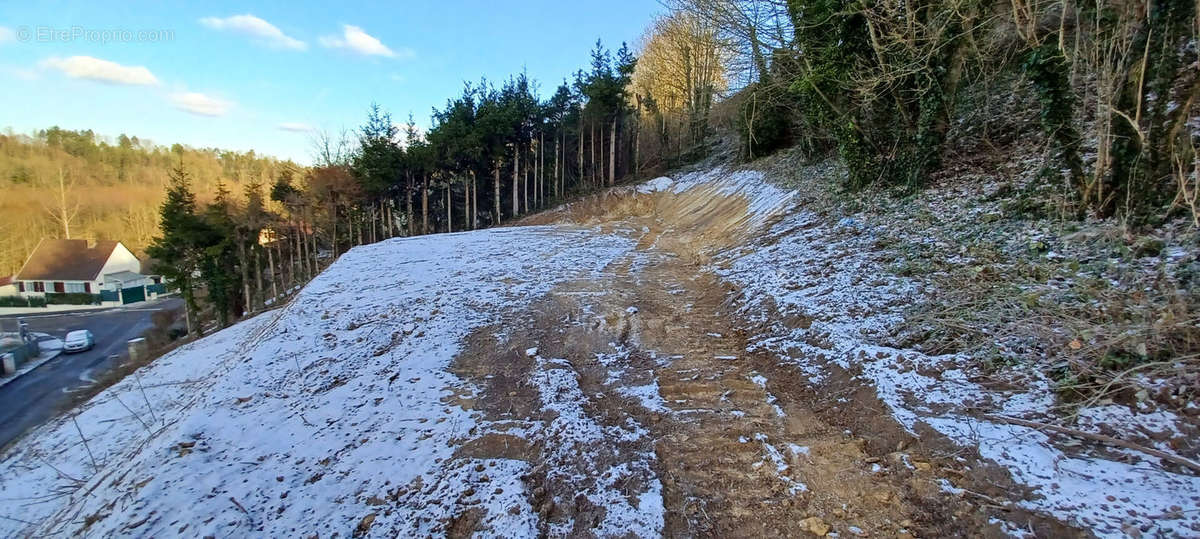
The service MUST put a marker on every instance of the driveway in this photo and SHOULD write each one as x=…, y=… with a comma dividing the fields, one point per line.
x=38, y=395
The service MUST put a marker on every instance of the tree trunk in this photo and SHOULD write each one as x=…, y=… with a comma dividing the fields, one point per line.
x=274, y=279
x=525, y=185
x=316, y=256
x=333, y=235
x=637, y=145
x=474, y=202
x=373, y=217
x=556, y=150
x=247, y=306
x=466, y=204
x=408, y=206
x=360, y=229
x=258, y=281
x=449, y=210
x=425, y=204
x=612, y=153
x=291, y=273
x=542, y=167
x=496, y=190
x=593, y=177
x=579, y=172
x=516, y=197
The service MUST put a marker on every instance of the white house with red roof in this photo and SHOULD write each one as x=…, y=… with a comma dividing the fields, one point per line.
x=78, y=266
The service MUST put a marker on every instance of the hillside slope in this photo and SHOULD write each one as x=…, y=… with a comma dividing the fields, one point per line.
x=693, y=356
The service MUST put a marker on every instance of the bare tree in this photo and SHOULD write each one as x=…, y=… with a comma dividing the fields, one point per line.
x=749, y=31
x=331, y=149
x=65, y=207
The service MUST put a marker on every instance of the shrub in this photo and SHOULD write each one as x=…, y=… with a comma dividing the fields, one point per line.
x=79, y=298
x=20, y=301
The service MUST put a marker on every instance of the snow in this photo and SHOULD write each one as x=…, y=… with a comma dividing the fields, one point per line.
x=574, y=433
x=310, y=418
x=647, y=395
x=808, y=268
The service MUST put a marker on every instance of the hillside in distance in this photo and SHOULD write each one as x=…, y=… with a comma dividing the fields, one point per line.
x=111, y=188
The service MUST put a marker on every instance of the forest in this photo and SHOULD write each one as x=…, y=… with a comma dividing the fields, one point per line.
x=59, y=183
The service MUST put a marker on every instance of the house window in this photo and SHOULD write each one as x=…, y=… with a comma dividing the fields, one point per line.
x=59, y=287
x=21, y=286
x=87, y=287
x=76, y=288
x=39, y=286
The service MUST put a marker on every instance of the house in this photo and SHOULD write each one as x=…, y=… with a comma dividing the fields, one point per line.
x=7, y=286
x=78, y=266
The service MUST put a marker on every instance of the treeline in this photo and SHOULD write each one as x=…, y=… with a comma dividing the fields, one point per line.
x=492, y=153
x=883, y=84
x=60, y=183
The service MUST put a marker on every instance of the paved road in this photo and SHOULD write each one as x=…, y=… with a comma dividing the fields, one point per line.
x=36, y=396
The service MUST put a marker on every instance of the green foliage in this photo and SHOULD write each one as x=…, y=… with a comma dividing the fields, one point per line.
x=21, y=301
x=764, y=121
x=1048, y=70
x=1145, y=130
x=883, y=104
x=79, y=298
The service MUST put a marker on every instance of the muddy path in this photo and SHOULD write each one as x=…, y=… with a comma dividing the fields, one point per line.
x=737, y=444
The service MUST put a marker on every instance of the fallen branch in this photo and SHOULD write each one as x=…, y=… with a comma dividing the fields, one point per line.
x=1186, y=463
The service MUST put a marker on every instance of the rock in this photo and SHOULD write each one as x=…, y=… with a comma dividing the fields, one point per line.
x=815, y=526
x=364, y=525
x=531, y=352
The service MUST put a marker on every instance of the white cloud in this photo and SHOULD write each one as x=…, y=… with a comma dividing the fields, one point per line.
x=356, y=40
x=256, y=28
x=7, y=34
x=297, y=127
x=86, y=67
x=200, y=104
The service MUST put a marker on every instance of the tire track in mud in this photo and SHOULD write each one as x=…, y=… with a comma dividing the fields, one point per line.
x=683, y=411
x=733, y=444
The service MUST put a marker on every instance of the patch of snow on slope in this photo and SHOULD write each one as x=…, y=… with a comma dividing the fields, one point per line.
x=585, y=454
x=822, y=274
x=313, y=418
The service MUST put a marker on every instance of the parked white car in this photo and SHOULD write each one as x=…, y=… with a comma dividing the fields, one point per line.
x=78, y=341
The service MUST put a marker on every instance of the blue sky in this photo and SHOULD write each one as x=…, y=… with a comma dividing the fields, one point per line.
x=255, y=76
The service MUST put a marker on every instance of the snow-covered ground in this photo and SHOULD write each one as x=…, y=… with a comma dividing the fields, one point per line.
x=331, y=414
x=821, y=271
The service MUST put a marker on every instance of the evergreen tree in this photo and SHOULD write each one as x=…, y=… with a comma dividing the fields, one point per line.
x=175, y=251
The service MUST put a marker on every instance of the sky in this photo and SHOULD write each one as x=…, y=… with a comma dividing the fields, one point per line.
x=264, y=75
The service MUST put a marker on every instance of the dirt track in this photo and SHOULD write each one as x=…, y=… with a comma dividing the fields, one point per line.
x=743, y=445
